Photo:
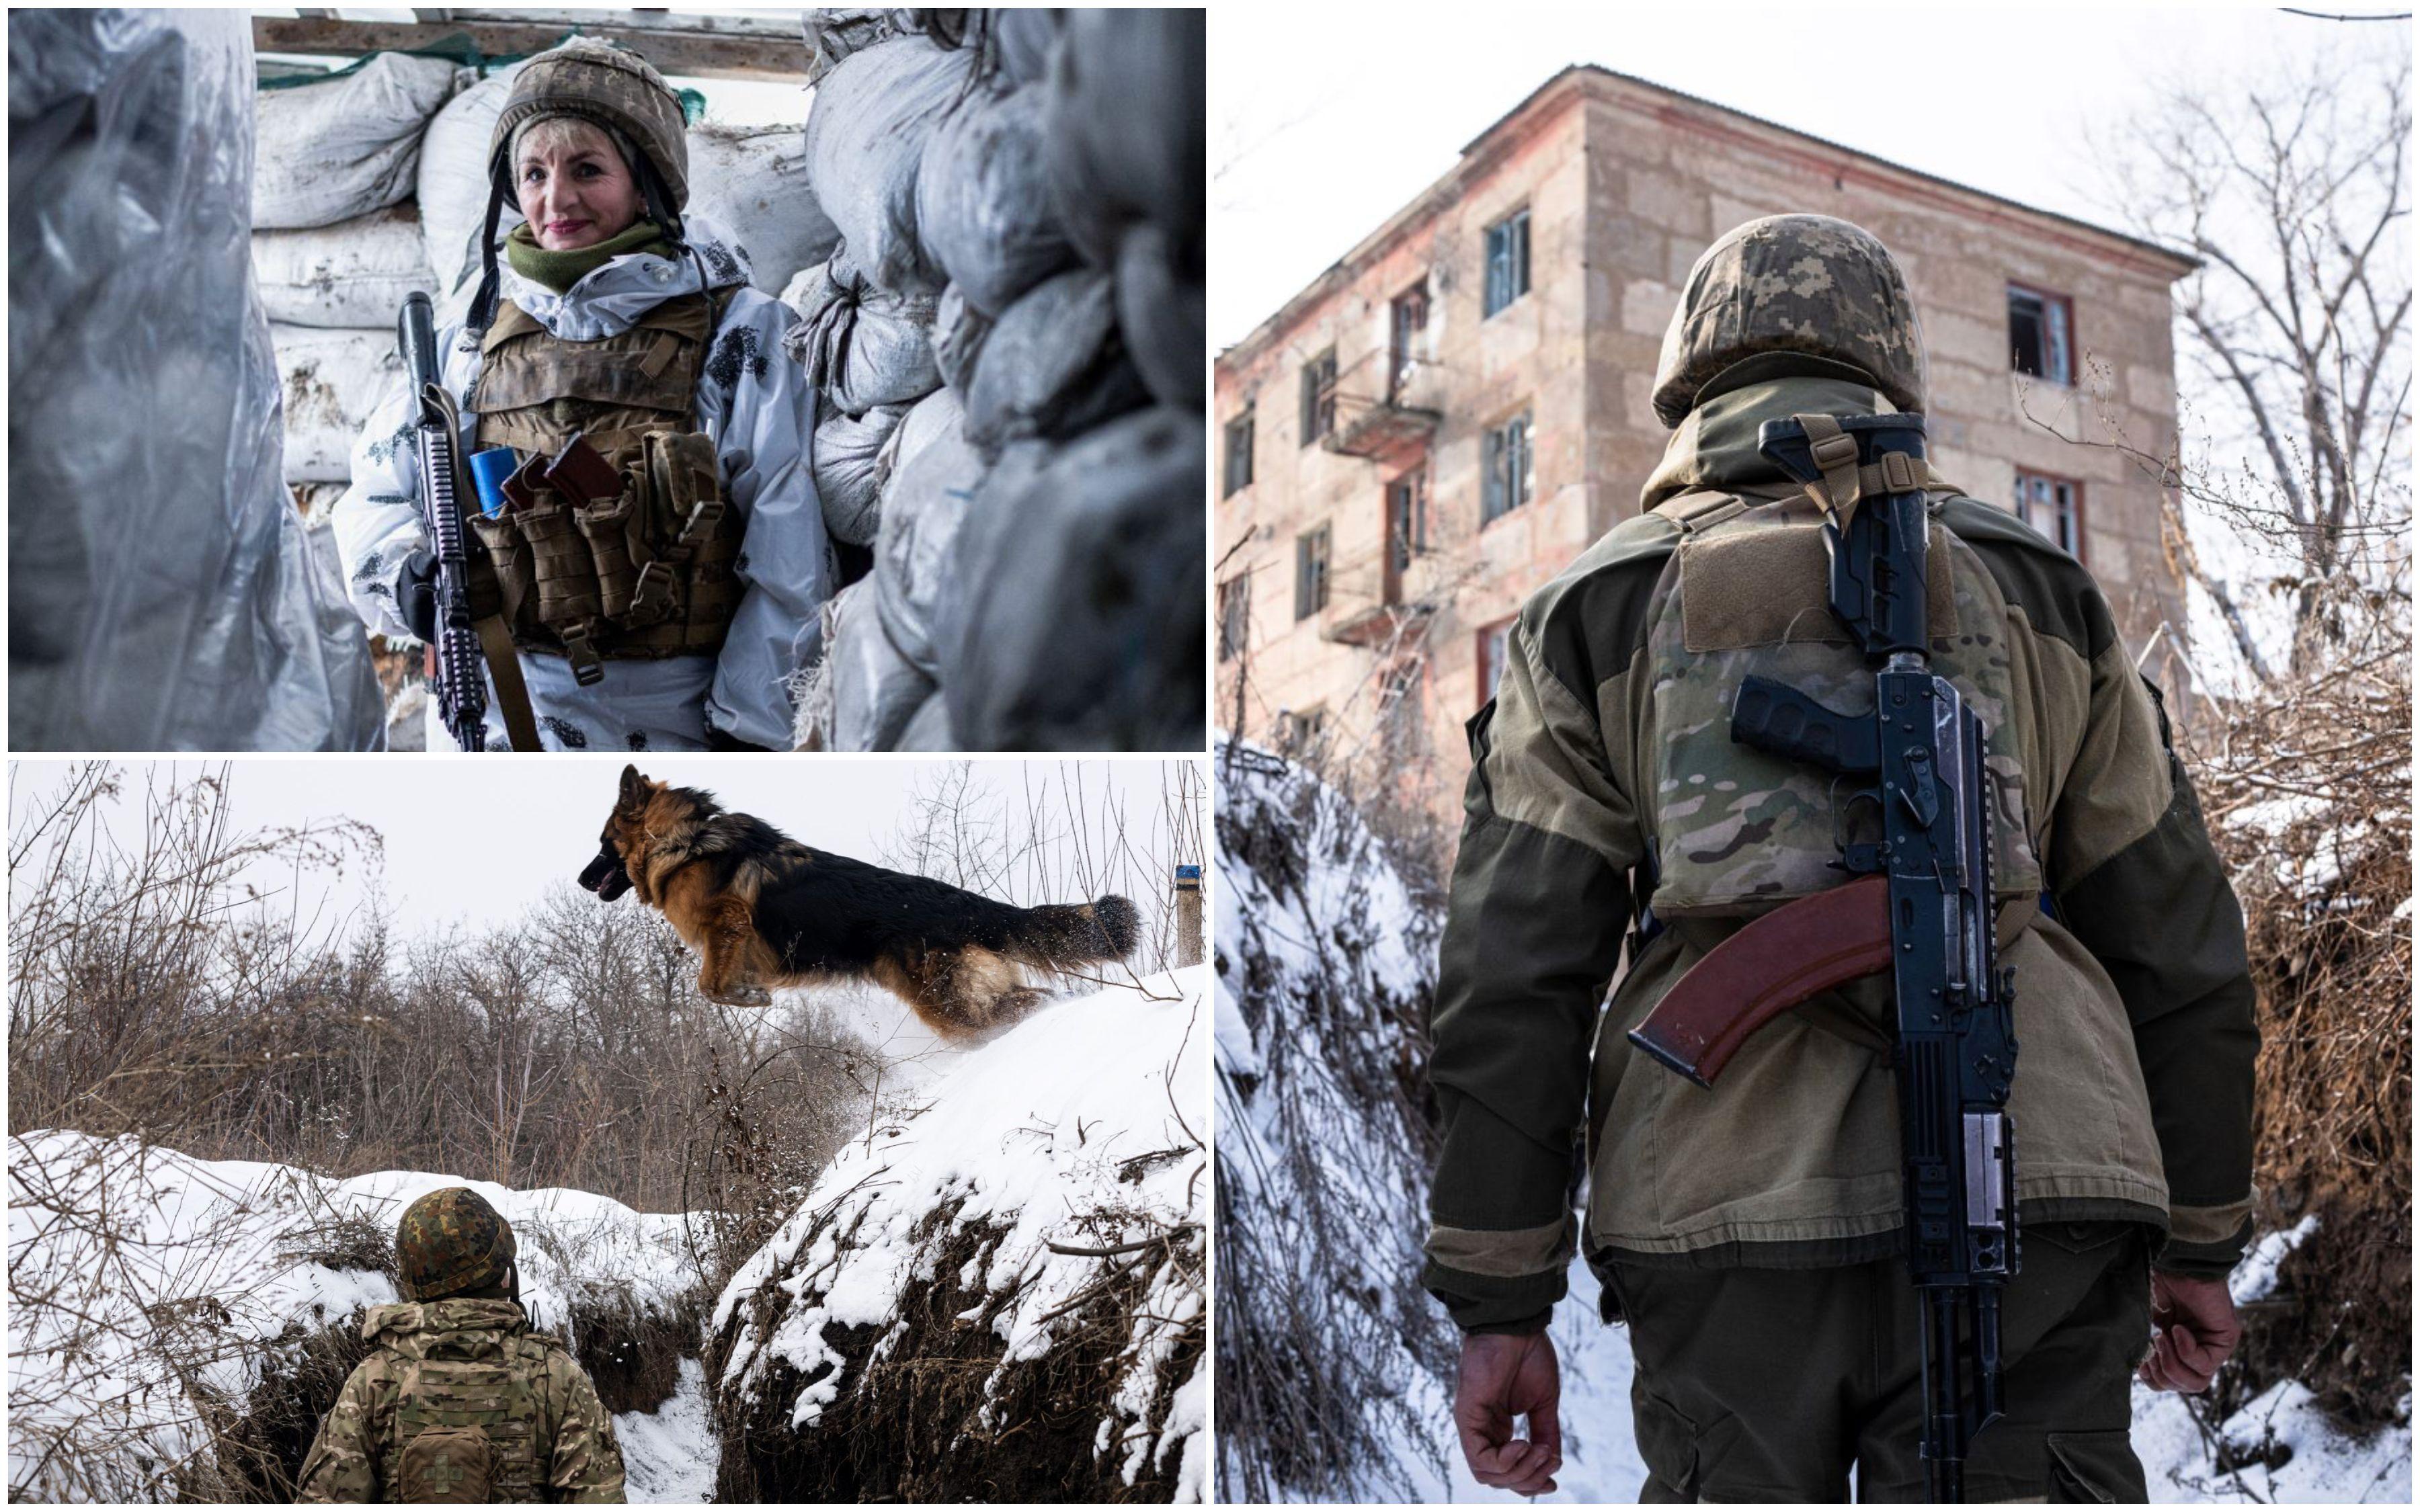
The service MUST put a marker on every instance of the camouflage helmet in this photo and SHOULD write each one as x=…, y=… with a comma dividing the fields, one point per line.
x=452, y=1241
x=597, y=81
x=1802, y=294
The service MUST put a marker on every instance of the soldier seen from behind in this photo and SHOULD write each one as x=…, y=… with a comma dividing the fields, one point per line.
x=647, y=550
x=461, y=1403
x=1749, y=1233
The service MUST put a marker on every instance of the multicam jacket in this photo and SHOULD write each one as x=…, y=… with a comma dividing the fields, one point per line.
x=465, y=1362
x=1603, y=776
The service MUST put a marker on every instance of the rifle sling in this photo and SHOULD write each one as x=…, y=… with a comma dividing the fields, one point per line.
x=505, y=672
x=1771, y=966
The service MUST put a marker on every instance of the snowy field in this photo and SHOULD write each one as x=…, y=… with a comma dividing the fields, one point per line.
x=143, y=1282
x=1080, y=1128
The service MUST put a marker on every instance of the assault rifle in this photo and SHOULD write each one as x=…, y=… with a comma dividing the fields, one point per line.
x=1923, y=907
x=455, y=654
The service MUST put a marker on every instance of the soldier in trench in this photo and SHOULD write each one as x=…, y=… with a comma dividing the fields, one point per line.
x=672, y=614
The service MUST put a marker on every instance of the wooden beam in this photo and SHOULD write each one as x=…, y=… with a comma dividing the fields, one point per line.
x=758, y=51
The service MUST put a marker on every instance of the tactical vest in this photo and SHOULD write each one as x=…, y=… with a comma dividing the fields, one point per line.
x=466, y=1430
x=1738, y=831
x=649, y=573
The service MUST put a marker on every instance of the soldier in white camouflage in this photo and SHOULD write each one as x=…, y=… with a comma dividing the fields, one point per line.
x=461, y=1403
x=1751, y=1233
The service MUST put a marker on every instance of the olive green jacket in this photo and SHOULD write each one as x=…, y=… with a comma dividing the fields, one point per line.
x=2134, y=1001
x=578, y=1457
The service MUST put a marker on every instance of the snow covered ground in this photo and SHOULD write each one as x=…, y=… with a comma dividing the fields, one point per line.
x=144, y=1282
x=1077, y=1131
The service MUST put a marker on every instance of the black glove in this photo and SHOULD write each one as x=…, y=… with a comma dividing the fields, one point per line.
x=416, y=595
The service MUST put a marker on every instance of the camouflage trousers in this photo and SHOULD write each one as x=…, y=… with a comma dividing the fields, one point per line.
x=1760, y=1385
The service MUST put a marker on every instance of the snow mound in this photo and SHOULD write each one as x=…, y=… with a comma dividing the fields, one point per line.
x=1326, y=965
x=999, y=1286
x=161, y=1305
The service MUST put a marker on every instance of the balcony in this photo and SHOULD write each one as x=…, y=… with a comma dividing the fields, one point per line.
x=1386, y=404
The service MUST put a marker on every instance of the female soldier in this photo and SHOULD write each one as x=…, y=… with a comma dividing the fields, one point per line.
x=665, y=604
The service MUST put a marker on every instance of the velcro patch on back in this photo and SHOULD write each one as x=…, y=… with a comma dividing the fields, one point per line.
x=1770, y=584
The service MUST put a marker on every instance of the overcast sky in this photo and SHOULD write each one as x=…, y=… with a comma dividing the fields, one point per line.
x=1326, y=119
x=484, y=838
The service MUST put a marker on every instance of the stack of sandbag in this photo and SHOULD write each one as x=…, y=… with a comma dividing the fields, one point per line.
x=1011, y=330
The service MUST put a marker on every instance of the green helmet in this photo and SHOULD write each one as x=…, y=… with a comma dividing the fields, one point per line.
x=452, y=1241
x=1791, y=294
x=609, y=87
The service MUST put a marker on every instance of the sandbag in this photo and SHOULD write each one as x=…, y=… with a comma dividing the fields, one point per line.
x=1160, y=316
x=332, y=380
x=958, y=333
x=454, y=179
x=874, y=690
x=1083, y=628
x=929, y=729
x=929, y=476
x=164, y=592
x=1021, y=38
x=752, y=182
x=844, y=452
x=865, y=140
x=353, y=273
x=982, y=201
x=861, y=346
x=1054, y=365
x=331, y=151
x=832, y=34
x=1124, y=126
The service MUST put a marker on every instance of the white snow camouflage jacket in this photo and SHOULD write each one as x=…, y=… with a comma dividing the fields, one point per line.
x=755, y=405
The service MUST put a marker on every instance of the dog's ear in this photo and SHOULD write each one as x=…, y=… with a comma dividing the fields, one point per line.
x=635, y=790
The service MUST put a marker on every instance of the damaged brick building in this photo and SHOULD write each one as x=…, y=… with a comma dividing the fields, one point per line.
x=1453, y=411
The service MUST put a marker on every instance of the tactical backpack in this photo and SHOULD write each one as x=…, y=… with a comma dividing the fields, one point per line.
x=649, y=573
x=466, y=1430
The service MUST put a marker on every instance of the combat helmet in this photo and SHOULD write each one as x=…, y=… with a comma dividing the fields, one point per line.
x=612, y=87
x=451, y=1241
x=1791, y=294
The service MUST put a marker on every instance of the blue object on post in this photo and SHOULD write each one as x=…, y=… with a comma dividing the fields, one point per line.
x=489, y=471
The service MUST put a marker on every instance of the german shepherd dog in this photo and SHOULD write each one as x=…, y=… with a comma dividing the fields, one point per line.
x=762, y=911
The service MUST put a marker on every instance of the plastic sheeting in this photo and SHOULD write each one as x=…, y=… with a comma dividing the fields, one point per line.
x=333, y=150
x=164, y=592
x=354, y=273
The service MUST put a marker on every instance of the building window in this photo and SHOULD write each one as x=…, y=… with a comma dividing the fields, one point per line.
x=1399, y=715
x=1508, y=260
x=1407, y=518
x=1310, y=572
x=1494, y=644
x=1319, y=396
x=1409, y=321
x=1235, y=617
x=1239, y=454
x=2053, y=507
x=1504, y=484
x=1302, y=735
x=2041, y=339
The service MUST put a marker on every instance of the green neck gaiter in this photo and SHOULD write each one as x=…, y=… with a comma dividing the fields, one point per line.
x=559, y=270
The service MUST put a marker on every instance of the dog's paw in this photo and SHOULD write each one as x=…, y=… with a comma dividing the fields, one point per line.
x=741, y=995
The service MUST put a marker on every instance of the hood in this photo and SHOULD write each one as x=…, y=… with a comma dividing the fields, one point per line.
x=1715, y=445
x=456, y=1328
x=606, y=302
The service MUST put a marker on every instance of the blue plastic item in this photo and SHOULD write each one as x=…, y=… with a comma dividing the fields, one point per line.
x=489, y=471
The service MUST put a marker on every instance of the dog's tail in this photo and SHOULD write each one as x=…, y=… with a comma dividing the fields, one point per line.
x=1068, y=934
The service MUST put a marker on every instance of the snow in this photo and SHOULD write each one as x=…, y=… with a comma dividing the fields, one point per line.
x=142, y=1279
x=1080, y=1126
x=669, y=1454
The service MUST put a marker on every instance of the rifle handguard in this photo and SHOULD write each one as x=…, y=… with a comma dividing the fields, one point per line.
x=1769, y=968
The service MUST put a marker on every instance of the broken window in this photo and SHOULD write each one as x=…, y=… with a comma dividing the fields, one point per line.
x=1410, y=319
x=1504, y=484
x=1407, y=520
x=2053, y=507
x=1508, y=260
x=1493, y=643
x=2038, y=340
x=1239, y=453
x=1310, y=572
x=1235, y=617
x=1319, y=396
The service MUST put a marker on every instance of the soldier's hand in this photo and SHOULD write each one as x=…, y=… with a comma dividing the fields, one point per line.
x=2194, y=1330
x=1505, y=1376
x=418, y=591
